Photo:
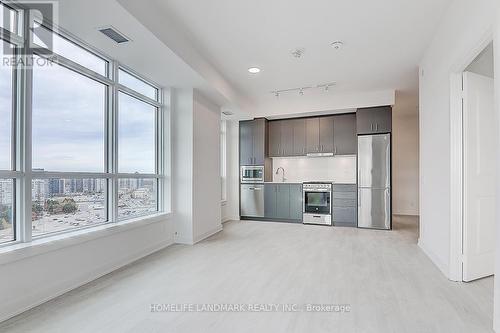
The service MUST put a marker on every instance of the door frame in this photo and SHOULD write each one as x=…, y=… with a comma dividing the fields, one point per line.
x=456, y=156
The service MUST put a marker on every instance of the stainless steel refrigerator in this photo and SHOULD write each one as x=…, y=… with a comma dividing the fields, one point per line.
x=374, y=181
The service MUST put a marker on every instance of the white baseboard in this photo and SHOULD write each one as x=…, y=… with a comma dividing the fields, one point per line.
x=443, y=267
x=208, y=234
x=229, y=219
x=89, y=277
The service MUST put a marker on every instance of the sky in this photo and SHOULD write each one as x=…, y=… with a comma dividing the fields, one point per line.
x=69, y=112
x=69, y=121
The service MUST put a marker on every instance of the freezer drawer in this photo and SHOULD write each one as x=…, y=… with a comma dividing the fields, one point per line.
x=374, y=208
x=252, y=200
x=344, y=215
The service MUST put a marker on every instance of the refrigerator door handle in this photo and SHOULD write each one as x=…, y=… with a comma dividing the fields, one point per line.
x=359, y=197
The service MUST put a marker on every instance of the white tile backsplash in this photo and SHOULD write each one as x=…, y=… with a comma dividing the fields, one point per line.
x=340, y=169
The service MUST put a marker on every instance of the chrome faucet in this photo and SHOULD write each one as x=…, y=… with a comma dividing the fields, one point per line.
x=283, y=177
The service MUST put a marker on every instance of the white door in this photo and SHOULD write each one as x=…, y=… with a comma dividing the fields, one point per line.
x=479, y=168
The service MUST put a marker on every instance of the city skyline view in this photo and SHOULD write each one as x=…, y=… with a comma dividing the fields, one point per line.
x=61, y=204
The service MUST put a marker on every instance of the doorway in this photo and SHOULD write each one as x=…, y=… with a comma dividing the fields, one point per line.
x=479, y=168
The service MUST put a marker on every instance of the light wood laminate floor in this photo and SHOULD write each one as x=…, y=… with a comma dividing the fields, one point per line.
x=390, y=284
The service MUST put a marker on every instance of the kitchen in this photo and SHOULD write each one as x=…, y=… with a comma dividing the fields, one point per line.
x=328, y=170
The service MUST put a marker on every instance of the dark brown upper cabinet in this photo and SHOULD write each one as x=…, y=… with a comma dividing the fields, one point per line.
x=299, y=136
x=253, y=143
x=281, y=138
x=326, y=130
x=374, y=120
x=286, y=138
x=345, y=139
x=319, y=135
x=312, y=135
x=274, y=138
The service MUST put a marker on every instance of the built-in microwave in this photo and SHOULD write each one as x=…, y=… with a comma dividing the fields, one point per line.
x=252, y=174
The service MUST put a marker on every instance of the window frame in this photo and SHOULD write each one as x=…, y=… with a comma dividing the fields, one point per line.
x=21, y=151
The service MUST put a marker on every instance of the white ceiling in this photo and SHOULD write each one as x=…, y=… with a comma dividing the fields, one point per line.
x=384, y=41
x=210, y=44
x=484, y=63
x=146, y=54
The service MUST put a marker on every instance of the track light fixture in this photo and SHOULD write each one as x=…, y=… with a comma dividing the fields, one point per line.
x=300, y=90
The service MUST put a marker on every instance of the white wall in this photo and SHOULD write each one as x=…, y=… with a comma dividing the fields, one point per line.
x=196, y=189
x=484, y=63
x=339, y=169
x=206, y=168
x=405, y=155
x=465, y=26
x=231, y=208
x=182, y=164
x=496, y=316
x=36, y=276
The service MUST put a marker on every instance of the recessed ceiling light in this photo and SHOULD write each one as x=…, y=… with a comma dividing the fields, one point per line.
x=337, y=45
x=298, y=53
x=254, y=70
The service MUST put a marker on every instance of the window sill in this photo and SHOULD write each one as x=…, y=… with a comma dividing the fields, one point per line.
x=19, y=251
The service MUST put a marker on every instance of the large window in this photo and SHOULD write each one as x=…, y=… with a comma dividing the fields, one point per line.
x=136, y=135
x=64, y=47
x=68, y=120
x=133, y=82
x=6, y=210
x=137, y=197
x=85, y=133
x=7, y=184
x=138, y=147
x=9, y=18
x=62, y=204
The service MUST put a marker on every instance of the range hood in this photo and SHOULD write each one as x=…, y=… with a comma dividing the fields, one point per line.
x=319, y=154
